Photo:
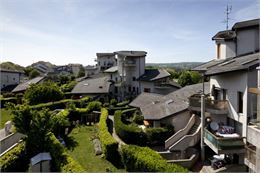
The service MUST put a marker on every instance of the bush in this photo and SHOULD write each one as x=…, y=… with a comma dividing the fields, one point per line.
x=144, y=159
x=113, y=102
x=68, y=87
x=3, y=101
x=15, y=160
x=132, y=134
x=61, y=161
x=109, y=144
x=129, y=133
x=43, y=93
x=123, y=103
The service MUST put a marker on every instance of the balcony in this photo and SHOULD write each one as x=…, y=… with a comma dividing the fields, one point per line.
x=253, y=133
x=211, y=106
x=250, y=156
x=221, y=145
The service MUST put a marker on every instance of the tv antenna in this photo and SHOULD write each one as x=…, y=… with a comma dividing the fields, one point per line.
x=228, y=11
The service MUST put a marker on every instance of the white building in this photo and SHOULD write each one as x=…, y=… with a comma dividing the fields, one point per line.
x=105, y=61
x=130, y=77
x=10, y=77
x=231, y=73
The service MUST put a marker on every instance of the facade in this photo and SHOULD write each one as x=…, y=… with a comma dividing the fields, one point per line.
x=130, y=78
x=105, y=61
x=232, y=73
x=10, y=77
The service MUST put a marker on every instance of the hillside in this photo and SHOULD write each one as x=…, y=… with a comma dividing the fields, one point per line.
x=11, y=66
x=181, y=65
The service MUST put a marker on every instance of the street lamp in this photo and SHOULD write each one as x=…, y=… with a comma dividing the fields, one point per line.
x=202, y=71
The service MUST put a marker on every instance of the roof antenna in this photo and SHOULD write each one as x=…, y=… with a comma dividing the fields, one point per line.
x=228, y=11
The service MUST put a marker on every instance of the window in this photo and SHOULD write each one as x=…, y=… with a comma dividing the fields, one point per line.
x=134, y=78
x=133, y=89
x=224, y=94
x=116, y=90
x=218, y=51
x=147, y=90
x=116, y=79
x=137, y=90
x=240, y=101
x=129, y=88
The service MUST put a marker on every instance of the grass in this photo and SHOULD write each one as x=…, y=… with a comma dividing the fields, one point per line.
x=83, y=152
x=5, y=116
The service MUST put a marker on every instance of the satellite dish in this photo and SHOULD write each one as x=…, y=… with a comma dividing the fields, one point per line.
x=214, y=126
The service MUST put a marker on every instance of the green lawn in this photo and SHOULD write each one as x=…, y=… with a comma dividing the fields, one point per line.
x=84, y=150
x=5, y=116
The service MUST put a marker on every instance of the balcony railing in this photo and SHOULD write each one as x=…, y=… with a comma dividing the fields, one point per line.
x=250, y=154
x=221, y=143
x=218, y=105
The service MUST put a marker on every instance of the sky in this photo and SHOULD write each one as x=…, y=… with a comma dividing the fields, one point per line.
x=73, y=31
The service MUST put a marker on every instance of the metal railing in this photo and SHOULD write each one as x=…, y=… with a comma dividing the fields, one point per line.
x=195, y=101
x=222, y=143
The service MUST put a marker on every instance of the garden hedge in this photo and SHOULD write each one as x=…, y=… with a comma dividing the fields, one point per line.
x=109, y=144
x=144, y=159
x=61, y=161
x=62, y=104
x=15, y=160
x=132, y=134
x=3, y=101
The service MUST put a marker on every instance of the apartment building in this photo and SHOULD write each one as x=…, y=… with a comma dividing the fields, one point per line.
x=229, y=107
x=129, y=77
x=105, y=61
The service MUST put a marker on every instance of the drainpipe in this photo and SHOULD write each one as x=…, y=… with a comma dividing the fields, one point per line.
x=202, y=117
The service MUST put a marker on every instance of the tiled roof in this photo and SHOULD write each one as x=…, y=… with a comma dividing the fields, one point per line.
x=215, y=67
x=25, y=85
x=153, y=74
x=92, y=86
x=226, y=35
x=248, y=23
x=158, y=107
x=10, y=71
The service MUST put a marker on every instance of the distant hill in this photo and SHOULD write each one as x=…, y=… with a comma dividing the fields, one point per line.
x=180, y=65
x=11, y=66
x=46, y=63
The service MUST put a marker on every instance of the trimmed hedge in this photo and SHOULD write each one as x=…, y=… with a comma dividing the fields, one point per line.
x=144, y=159
x=123, y=103
x=129, y=133
x=3, y=101
x=109, y=144
x=15, y=160
x=62, y=104
x=134, y=135
x=61, y=161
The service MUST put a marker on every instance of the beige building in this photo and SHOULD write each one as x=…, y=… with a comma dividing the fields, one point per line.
x=230, y=107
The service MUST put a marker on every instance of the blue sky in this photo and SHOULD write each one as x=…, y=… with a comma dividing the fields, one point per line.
x=72, y=31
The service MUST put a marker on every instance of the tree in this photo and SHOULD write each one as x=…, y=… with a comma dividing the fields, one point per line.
x=185, y=79
x=42, y=93
x=68, y=87
x=81, y=72
x=28, y=70
x=34, y=73
x=196, y=77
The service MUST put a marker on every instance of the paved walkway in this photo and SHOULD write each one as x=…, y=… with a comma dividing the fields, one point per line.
x=115, y=136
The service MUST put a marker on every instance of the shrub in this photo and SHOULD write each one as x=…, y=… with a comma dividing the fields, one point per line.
x=68, y=87
x=144, y=159
x=15, y=160
x=43, y=93
x=129, y=133
x=132, y=134
x=3, y=101
x=113, y=102
x=123, y=103
x=109, y=144
x=61, y=161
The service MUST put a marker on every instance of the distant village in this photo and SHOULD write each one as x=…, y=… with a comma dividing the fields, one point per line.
x=216, y=121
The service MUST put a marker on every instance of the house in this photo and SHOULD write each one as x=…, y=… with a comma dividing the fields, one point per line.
x=105, y=61
x=232, y=73
x=94, y=87
x=91, y=70
x=10, y=78
x=160, y=110
x=129, y=77
x=22, y=87
x=43, y=67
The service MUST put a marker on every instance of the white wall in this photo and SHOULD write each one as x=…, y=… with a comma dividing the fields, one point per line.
x=179, y=121
x=230, y=49
x=8, y=78
x=234, y=82
x=247, y=41
x=227, y=49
